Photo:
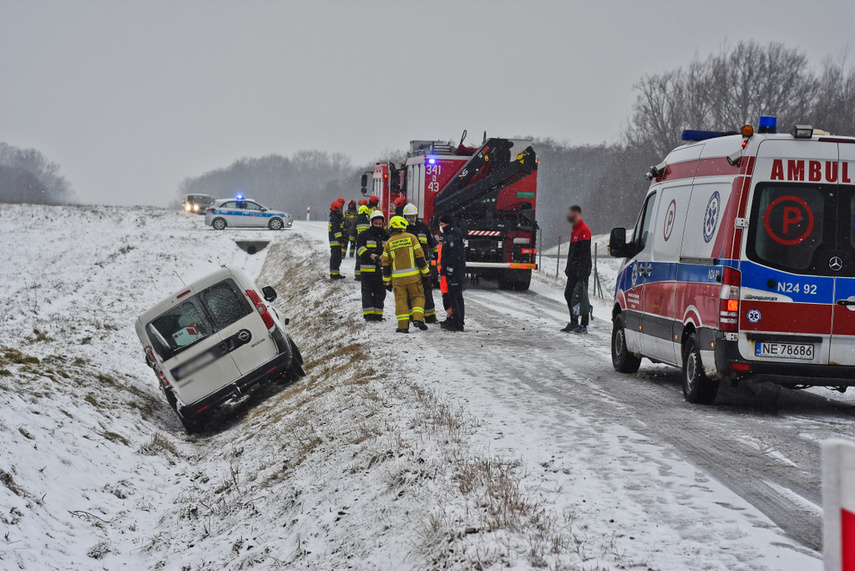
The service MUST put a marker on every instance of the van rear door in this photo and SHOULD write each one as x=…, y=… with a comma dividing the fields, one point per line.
x=787, y=284
x=843, y=325
x=240, y=325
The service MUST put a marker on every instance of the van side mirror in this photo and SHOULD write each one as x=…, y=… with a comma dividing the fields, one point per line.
x=618, y=248
x=269, y=293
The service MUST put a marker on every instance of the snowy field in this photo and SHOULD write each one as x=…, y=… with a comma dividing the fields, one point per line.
x=509, y=446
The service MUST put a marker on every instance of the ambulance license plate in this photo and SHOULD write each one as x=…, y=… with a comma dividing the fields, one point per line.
x=784, y=350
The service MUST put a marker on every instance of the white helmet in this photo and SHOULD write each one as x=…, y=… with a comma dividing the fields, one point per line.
x=377, y=214
x=411, y=210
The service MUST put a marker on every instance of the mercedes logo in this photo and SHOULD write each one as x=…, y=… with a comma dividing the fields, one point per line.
x=835, y=263
x=244, y=335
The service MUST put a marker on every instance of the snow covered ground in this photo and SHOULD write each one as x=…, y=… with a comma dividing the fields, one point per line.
x=508, y=446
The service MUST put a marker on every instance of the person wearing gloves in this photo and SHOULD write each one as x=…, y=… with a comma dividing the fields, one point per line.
x=454, y=270
x=369, y=250
x=404, y=268
x=429, y=246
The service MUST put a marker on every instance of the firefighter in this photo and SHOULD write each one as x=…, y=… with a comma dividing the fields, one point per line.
x=369, y=249
x=404, y=267
x=336, y=236
x=578, y=270
x=350, y=229
x=428, y=243
x=454, y=269
x=362, y=224
x=399, y=203
x=374, y=202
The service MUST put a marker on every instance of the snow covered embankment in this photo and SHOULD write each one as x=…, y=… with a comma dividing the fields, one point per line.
x=356, y=465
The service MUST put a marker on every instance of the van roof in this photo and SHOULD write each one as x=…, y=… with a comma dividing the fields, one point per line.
x=192, y=289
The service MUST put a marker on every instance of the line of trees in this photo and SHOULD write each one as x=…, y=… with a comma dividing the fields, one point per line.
x=27, y=176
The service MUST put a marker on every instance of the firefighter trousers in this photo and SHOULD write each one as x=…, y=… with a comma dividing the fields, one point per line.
x=351, y=241
x=430, y=308
x=335, y=259
x=409, y=297
x=373, y=295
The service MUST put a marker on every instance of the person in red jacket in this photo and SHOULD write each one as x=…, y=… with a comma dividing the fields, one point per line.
x=578, y=271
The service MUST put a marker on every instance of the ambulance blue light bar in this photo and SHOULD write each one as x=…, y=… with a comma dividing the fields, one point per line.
x=768, y=124
x=694, y=135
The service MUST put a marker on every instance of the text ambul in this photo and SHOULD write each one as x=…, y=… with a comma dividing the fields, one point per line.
x=811, y=171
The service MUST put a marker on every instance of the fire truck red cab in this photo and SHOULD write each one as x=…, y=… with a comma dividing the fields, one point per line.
x=742, y=262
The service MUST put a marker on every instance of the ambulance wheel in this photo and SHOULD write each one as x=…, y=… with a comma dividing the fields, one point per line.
x=697, y=388
x=622, y=360
x=218, y=224
x=275, y=224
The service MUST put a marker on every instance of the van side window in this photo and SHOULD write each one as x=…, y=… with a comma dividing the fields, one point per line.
x=643, y=224
x=788, y=225
x=226, y=303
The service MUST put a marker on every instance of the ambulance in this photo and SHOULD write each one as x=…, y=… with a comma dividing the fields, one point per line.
x=741, y=264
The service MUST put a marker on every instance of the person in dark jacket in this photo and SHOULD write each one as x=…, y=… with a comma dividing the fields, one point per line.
x=350, y=229
x=454, y=270
x=421, y=231
x=361, y=225
x=578, y=271
x=336, y=236
x=369, y=249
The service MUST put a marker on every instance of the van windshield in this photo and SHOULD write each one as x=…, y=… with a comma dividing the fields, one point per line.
x=799, y=228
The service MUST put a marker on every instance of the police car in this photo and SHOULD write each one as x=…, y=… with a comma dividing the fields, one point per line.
x=245, y=213
x=742, y=262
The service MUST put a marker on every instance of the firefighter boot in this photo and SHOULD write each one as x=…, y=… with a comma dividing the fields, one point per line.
x=399, y=330
x=421, y=325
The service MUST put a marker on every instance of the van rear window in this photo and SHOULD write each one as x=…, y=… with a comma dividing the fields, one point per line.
x=788, y=226
x=226, y=303
x=177, y=328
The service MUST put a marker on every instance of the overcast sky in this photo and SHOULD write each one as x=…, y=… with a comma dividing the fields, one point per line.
x=131, y=97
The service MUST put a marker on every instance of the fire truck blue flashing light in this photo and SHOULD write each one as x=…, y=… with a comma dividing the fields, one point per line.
x=767, y=124
x=432, y=161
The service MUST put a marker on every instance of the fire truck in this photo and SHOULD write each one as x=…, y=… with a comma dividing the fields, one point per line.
x=490, y=191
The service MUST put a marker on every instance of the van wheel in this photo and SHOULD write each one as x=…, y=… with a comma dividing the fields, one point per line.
x=622, y=360
x=219, y=224
x=697, y=388
x=275, y=224
x=296, y=369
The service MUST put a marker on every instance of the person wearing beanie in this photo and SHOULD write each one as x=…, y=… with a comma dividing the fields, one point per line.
x=454, y=270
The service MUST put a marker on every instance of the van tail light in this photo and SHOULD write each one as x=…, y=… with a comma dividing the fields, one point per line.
x=261, y=308
x=162, y=378
x=728, y=314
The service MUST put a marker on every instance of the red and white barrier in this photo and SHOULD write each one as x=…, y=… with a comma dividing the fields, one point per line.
x=838, y=498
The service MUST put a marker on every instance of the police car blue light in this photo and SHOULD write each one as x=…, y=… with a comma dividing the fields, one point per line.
x=243, y=212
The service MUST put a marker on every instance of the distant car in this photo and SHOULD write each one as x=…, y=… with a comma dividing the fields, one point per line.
x=213, y=340
x=246, y=213
x=197, y=203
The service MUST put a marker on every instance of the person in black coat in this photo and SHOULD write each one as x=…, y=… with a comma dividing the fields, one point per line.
x=454, y=269
x=578, y=270
x=369, y=249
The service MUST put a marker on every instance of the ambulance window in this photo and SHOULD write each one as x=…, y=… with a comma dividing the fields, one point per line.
x=787, y=226
x=642, y=226
x=226, y=303
x=179, y=327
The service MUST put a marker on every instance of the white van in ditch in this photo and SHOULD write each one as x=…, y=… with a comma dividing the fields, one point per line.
x=212, y=341
x=742, y=263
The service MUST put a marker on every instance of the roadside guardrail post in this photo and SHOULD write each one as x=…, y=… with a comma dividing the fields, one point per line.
x=838, y=499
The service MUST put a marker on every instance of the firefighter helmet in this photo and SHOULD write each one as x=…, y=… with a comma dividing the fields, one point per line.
x=335, y=206
x=364, y=210
x=411, y=210
x=398, y=223
x=363, y=202
x=351, y=205
x=400, y=201
x=377, y=214
x=341, y=201
x=373, y=199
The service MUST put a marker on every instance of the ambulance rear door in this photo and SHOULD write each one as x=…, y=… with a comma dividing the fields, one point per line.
x=787, y=294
